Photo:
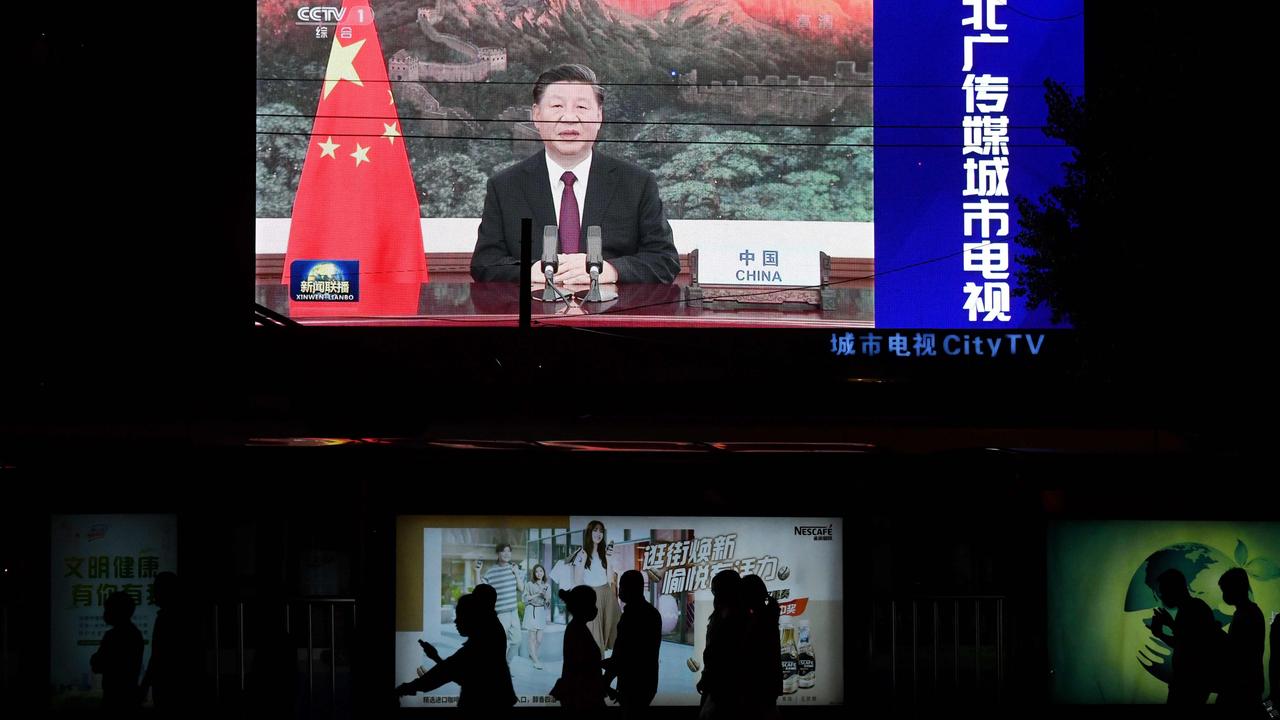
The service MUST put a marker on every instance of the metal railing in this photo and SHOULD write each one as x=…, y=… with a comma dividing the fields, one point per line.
x=946, y=647
x=249, y=632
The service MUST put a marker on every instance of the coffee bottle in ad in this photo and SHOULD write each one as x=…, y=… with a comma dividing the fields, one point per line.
x=805, y=665
x=790, y=679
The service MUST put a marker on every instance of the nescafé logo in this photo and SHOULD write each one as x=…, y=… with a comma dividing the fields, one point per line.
x=817, y=532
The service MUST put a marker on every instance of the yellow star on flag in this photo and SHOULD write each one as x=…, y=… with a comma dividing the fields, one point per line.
x=361, y=154
x=342, y=65
x=329, y=146
x=391, y=134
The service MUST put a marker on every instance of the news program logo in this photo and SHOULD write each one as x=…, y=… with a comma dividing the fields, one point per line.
x=324, y=280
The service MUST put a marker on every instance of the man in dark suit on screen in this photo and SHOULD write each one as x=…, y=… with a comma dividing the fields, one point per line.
x=572, y=186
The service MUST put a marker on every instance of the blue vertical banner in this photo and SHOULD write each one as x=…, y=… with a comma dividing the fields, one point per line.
x=959, y=112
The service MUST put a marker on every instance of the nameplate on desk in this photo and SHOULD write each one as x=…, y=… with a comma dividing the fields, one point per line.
x=785, y=263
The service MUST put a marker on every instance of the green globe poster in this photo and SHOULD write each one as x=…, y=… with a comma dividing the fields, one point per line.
x=1103, y=591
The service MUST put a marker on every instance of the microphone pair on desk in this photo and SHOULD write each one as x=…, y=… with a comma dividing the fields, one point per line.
x=595, y=265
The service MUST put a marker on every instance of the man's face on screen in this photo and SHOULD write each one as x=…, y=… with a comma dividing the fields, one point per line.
x=568, y=119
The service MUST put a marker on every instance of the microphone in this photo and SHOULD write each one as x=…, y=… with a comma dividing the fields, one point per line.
x=550, y=260
x=595, y=266
x=595, y=263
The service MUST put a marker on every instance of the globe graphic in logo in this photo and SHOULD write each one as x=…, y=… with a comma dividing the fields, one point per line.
x=1202, y=566
x=325, y=271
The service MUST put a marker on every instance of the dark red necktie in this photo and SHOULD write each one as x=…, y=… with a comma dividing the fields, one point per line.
x=570, y=224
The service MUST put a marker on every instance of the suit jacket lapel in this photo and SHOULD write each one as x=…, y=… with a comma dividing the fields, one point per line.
x=537, y=193
x=601, y=185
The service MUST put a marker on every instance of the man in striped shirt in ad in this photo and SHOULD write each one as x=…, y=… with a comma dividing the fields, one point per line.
x=506, y=578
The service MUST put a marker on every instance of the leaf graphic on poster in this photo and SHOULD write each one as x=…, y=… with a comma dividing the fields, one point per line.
x=1263, y=568
x=1156, y=657
x=1242, y=552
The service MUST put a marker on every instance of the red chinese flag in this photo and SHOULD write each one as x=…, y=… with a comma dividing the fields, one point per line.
x=356, y=199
